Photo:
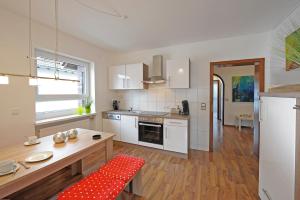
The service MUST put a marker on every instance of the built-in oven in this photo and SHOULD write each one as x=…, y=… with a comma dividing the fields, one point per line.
x=151, y=132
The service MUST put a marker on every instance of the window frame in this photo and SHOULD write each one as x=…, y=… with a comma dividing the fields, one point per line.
x=61, y=97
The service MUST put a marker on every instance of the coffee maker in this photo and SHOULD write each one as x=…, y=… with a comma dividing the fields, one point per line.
x=185, y=107
x=115, y=104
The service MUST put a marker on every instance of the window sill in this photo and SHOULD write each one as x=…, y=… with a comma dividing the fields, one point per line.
x=60, y=120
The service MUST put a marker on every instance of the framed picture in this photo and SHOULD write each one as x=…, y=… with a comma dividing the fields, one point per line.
x=292, y=50
x=242, y=88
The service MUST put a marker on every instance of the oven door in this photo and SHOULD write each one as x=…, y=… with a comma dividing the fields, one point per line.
x=151, y=133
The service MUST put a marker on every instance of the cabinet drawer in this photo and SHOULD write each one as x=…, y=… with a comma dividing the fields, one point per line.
x=175, y=122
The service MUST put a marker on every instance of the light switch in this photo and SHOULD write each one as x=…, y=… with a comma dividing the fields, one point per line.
x=203, y=106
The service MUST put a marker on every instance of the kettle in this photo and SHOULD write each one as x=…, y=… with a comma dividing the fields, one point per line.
x=185, y=107
x=115, y=104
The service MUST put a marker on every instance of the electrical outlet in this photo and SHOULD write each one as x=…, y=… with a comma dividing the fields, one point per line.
x=203, y=106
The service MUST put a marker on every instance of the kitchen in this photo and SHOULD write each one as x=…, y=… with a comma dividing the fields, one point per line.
x=148, y=127
x=111, y=100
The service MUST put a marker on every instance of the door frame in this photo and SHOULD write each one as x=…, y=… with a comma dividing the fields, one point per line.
x=259, y=64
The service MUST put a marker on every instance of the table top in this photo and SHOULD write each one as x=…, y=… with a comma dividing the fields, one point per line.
x=61, y=152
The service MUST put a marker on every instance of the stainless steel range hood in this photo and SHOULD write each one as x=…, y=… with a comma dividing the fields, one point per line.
x=157, y=71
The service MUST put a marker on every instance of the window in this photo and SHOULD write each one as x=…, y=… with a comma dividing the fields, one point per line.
x=56, y=98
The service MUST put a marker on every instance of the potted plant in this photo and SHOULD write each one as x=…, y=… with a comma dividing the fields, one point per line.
x=87, y=103
x=79, y=110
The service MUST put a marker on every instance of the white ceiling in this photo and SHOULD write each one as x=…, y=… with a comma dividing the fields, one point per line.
x=157, y=23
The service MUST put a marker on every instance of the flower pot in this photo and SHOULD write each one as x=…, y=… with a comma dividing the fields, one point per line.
x=79, y=110
x=88, y=110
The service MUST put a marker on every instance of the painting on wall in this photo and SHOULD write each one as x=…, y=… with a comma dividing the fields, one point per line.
x=292, y=50
x=242, y=88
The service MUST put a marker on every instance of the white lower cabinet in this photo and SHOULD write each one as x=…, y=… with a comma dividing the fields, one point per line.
x=126, y=130
x=129, y=129
x=278, y=138
x=112, y=126
x=176, y=135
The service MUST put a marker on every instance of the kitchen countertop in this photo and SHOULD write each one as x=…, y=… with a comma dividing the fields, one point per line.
x=283, y=95
x=177, y=116
x=138, y=113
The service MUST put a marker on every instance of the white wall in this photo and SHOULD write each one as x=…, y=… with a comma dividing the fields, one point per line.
x=279, y=76
x=86, y=124
x=232, y=109
x=200, y=54
x=18, y=96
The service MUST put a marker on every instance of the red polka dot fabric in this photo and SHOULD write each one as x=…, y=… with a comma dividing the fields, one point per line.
x=122, y=167
x=96, y=186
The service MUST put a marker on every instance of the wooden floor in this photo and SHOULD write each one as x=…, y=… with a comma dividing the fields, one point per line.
x=230, y=172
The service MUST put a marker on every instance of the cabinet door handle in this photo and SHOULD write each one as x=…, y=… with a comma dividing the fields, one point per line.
x=151, y=125
x=267, y=194
x=260, y=111
x=169, y=81
x=135, y=123
x=123, y=83
x=175, y=122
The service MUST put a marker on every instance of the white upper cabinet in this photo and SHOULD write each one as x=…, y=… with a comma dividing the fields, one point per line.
x=129, y=76
x=117, y=77
x=135, y=76
x=178, y=73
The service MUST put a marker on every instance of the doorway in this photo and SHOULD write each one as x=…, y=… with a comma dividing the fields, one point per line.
x=218, y=98
x=259, y=86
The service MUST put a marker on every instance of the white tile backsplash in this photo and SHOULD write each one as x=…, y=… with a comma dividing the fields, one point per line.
x=154, y=99
x=157, y=98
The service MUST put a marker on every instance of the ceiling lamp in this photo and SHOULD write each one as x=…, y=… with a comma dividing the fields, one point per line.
x=33, y=79
x=4, y=80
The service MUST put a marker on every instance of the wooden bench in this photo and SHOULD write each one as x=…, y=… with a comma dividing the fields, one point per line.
x=108, y=182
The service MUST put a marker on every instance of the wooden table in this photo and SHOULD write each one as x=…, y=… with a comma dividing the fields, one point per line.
x=66, y=154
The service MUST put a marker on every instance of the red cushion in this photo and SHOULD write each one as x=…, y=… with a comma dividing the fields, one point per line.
x=95, y=186
x=122, y=167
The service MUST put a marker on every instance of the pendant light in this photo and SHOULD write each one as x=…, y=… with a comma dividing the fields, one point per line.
x=4, y=80
x=33, y=81
x=56, y=72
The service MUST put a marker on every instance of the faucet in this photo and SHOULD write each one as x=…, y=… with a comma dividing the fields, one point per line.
x=131, y=109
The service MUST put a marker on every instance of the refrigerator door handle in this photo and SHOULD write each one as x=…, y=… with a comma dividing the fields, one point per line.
x=296, y=107
x=260, y=111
